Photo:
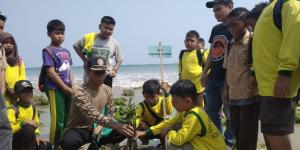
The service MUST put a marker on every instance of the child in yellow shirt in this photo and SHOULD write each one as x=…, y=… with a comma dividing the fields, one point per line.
x=15, y=69
x=24, y=120
x=150, y=111
x=197, y=131
x=191, y=62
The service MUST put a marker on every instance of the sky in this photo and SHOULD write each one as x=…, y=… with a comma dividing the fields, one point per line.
x=139, y=24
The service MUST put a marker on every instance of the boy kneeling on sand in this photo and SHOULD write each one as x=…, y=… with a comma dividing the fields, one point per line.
x=150, y=111
x=196, y=130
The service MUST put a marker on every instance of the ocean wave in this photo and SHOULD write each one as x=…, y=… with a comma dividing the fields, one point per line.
x=133, y=80
x=137, y=79
x=127, y=77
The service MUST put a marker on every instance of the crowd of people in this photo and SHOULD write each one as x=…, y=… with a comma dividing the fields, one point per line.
x=250, y=73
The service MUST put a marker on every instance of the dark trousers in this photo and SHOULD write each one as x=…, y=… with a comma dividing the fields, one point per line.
x=25, y=139
x=244, y=124
x=108, y=80
x=74, y=138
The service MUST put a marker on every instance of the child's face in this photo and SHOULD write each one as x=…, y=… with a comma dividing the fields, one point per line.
x=106, y=29
x=221, y=12
x=180, y=103
x=57, y=37
x=1, y=25
x=8, y=45
x=191, y=43
x=25, y=96
x=151, y=99
x=96, y=77
x=236, y=27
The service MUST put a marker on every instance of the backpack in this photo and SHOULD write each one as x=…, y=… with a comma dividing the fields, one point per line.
x=199, y=56
x=203, y=130
x=277, y=14
x=43, y=72
x=157, y=118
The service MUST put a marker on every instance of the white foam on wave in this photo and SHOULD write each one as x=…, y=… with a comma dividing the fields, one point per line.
x=127, y=77
x=129, y=80
x=137, y=79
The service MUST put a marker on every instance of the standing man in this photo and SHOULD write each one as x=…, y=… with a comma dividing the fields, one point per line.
x=214, y=81
x=101, y=44
x=5, y=129
x=276, y=56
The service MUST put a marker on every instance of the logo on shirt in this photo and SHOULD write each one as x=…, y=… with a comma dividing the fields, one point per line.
x=100, y=62
x=65, y=66
x=102, y=52
x=65, y=58
x=220, y=44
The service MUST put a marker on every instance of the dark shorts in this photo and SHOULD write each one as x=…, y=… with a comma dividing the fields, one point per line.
x=277, y=115
x=74, y=138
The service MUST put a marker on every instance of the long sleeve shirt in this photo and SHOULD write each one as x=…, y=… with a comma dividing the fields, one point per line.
x=276, y=51
x=87, y=106
x=196, y=128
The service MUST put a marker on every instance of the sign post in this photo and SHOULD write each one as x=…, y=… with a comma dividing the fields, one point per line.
x=161, y=51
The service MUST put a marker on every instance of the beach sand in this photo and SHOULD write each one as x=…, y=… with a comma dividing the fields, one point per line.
x=138, y=97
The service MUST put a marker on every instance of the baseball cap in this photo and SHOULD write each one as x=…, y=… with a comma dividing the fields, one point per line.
x=97, y=63
x=211, y=4
x=21, y=85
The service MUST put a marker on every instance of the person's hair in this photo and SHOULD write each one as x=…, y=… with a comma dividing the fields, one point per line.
x=257, y=10
x=108, y=20
x=202, y=41
x=184, y=89
x=193, y=33
x=240, y=12
x=55, y=25
x=227, y=4
x=151, y=87
x=2, y=17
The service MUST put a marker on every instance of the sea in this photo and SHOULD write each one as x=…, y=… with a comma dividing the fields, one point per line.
x=129, y=76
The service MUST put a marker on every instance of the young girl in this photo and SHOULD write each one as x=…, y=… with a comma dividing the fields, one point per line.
x=15, y=69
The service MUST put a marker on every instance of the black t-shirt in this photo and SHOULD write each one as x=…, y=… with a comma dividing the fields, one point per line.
x=219, y=39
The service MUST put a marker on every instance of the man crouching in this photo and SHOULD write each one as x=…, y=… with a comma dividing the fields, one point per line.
x=86, y=114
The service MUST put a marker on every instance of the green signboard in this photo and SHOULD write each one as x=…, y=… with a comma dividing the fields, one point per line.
x=153, y=51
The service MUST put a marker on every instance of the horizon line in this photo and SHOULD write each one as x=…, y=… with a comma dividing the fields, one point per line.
x=121, y=65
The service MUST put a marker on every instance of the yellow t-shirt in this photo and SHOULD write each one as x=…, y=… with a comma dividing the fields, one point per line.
x=142, y=112
x=190, y=68
x=196, y=128
x=25, y=114
x=275, y=50
x=14, y=74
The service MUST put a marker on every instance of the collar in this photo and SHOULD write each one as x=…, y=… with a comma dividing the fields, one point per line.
x=244, y=40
